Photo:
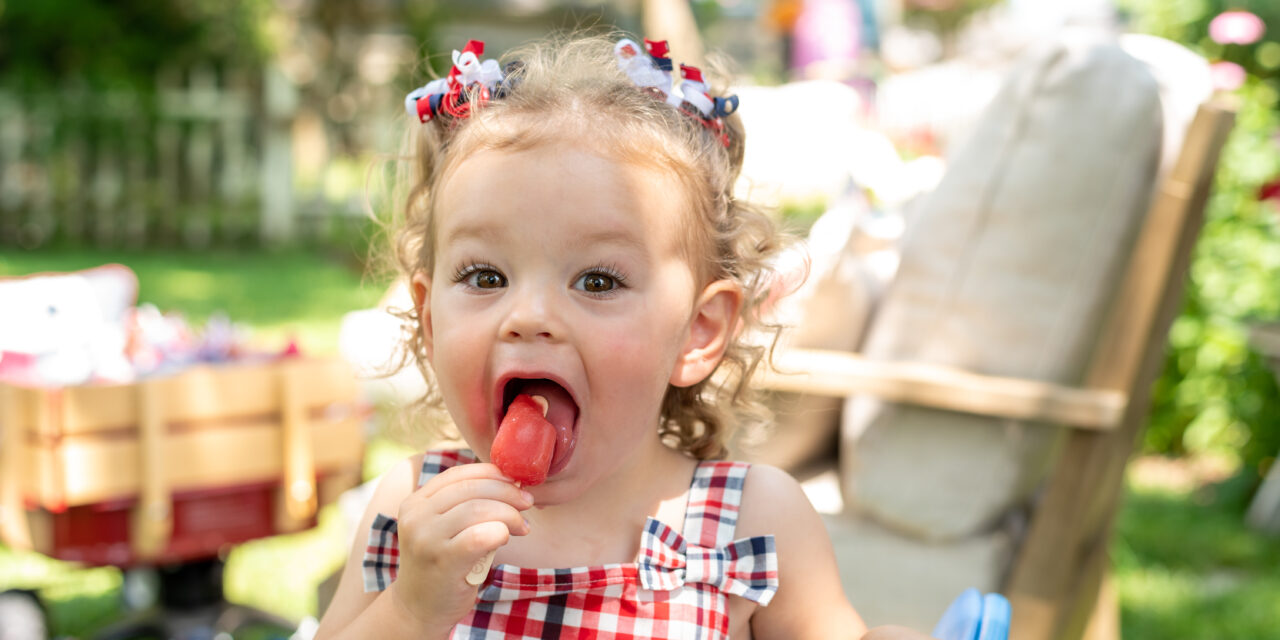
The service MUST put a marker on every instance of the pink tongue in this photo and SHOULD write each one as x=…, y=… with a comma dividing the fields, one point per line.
x=562, y=411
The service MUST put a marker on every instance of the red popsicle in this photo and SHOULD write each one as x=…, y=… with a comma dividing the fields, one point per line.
x=525, y=441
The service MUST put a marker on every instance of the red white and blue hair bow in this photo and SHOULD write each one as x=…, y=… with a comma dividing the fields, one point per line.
x=652, y=70
x=450, y=94
x=472, y=82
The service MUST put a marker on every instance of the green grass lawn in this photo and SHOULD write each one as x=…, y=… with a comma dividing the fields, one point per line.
x=1185, y=564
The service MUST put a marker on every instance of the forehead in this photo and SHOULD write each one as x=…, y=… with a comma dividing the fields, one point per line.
x=564, y=187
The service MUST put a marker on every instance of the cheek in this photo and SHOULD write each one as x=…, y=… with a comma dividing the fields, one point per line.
x=453, y=325
x=649, y=351
x=457, y=361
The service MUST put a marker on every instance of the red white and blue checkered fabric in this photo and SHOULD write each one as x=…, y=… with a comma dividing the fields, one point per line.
x=678, y=587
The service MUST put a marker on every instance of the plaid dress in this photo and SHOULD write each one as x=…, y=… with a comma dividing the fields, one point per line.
x=678, y=587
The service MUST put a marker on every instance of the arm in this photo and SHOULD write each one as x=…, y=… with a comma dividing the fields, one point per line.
x=445, y=526
x=810, y=602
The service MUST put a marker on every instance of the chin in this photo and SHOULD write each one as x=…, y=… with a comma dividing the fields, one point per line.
x=557, y=490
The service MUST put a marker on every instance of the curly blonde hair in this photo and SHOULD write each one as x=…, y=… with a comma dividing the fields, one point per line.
x=573, y=86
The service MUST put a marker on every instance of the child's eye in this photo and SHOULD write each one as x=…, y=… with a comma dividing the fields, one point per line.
x=598, y=281
x=481, y=277
x=488, y=279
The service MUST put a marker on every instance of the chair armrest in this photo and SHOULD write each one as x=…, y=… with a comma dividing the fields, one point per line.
x=837, y=373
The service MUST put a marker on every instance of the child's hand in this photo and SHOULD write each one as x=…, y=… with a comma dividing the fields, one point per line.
x=446, y=526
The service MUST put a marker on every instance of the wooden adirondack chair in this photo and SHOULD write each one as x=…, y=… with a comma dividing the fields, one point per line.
x=1058, y=582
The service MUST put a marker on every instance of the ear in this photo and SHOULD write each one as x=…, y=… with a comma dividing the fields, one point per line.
x=420, y=288
x=713, y=326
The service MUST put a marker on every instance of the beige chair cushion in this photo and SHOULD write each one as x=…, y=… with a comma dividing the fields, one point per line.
x=1007, y=270
x=893, y=579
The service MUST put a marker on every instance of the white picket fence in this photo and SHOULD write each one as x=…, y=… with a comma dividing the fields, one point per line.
x=205, y=161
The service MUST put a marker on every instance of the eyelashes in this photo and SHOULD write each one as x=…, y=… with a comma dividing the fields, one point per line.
x=601, y=281
x=479, y=275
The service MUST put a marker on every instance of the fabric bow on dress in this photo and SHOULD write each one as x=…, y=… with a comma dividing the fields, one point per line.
x=746, y=567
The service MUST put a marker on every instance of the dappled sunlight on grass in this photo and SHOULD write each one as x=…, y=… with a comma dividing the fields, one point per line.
x=78, y=599
x=185, y=286
x=281, y=574
x=1160, y=603
x=1157, y=593
x=1185, y=563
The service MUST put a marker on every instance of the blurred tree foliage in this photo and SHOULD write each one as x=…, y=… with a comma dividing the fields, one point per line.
x=1216, y=393
x=124, y=43
x=1187, y=21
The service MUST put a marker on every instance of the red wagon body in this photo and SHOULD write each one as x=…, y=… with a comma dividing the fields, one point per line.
x=177, y=468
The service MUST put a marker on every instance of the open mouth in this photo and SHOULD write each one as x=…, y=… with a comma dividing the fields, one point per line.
x=562, y=413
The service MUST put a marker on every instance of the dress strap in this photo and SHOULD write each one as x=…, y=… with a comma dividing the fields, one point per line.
x=714, y=496
x=382, y=554
x=436, y=461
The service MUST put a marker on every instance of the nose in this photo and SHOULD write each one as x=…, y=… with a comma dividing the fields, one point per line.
x=531, y=316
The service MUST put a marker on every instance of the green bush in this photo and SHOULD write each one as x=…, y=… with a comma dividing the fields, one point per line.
x=124, y=43
x=1215, y=393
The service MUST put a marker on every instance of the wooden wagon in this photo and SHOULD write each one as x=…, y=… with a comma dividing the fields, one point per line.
x=176, y=468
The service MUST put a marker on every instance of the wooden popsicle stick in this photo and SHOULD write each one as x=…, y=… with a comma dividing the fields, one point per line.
x=480, y=570
x=542, y=403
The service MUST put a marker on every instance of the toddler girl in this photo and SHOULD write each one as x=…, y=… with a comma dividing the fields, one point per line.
x=572, y=233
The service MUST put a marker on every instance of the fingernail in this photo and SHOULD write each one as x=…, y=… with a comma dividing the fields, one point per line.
x=528, y=497
x=527, y=527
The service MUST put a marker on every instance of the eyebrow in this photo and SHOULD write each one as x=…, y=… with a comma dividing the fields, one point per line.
x=615, y=237
x=607, y=236
x=469, y=231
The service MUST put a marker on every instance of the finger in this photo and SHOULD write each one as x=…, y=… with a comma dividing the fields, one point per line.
x=477, y=540
x=475, y=471
x=452, y=495
x=450, y=539
x=472, y=512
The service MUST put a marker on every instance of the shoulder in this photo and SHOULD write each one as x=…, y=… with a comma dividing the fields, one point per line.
x=771, y=496
x=768, y=480
x=394, y=486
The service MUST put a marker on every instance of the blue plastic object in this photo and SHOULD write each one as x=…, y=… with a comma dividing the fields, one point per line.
x=961, y=619
x=973, y=616
x=995, y=618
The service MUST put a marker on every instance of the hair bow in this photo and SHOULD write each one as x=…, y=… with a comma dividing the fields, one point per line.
x=641, y=67
x=652, y=70
x=449, y=94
